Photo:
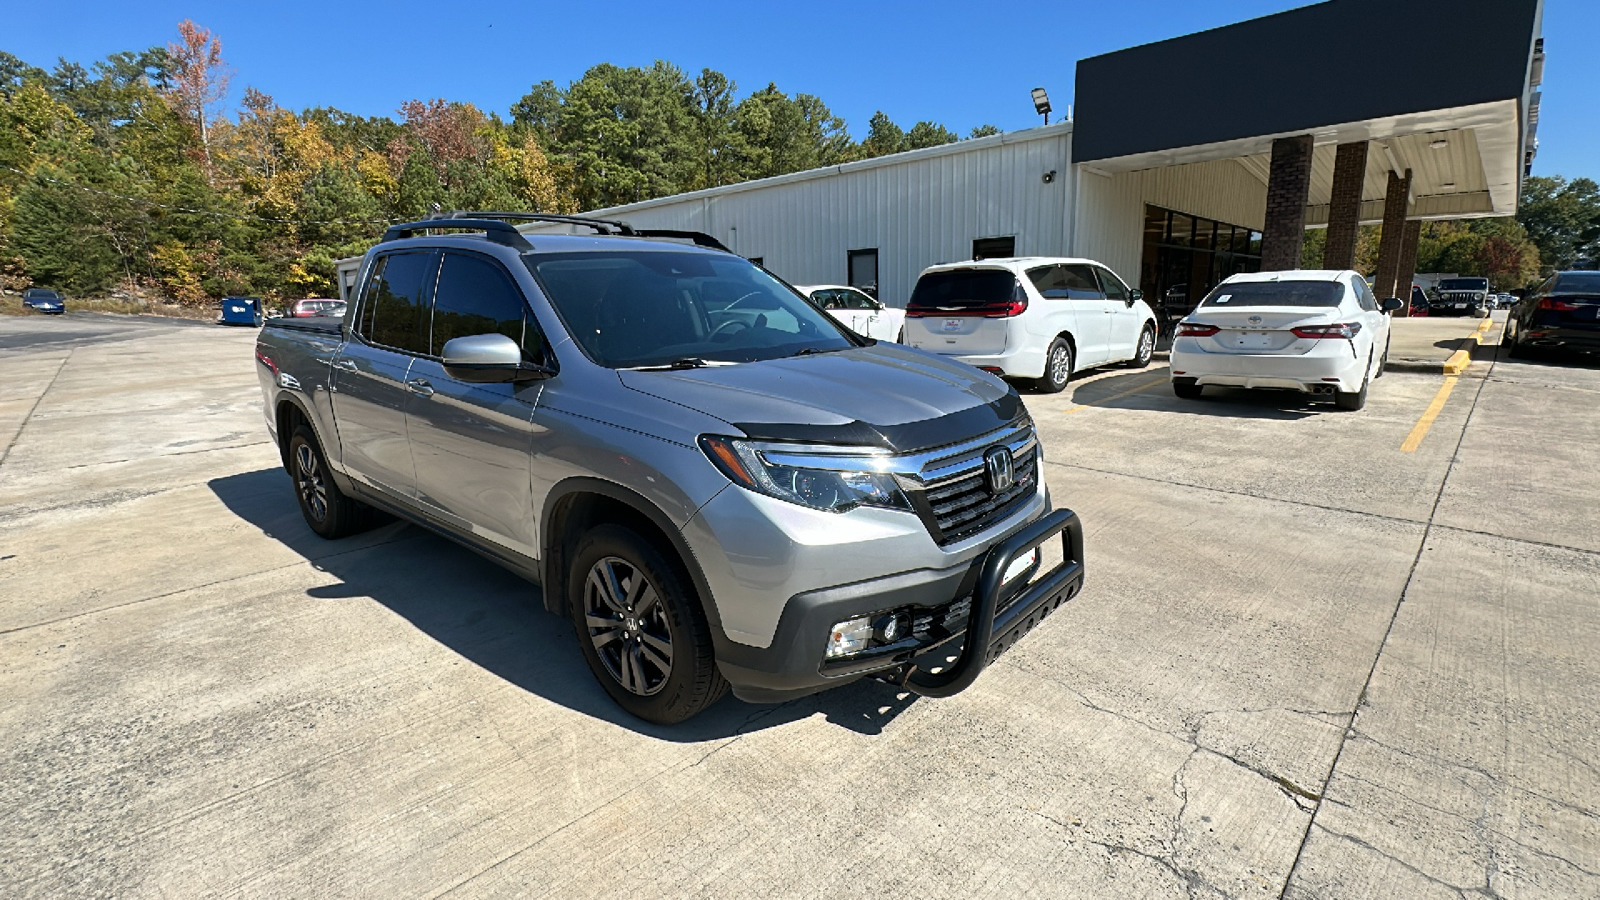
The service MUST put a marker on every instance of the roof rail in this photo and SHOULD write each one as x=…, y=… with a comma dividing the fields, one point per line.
x=603, y=226
x=699, y=238
x=498, y=232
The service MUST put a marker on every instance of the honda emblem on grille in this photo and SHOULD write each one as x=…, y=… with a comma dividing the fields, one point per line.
x=1000, y=470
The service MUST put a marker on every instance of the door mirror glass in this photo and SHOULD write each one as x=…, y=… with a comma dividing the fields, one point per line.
x=1392, y=304
x=489, y=359
x=1136, y=294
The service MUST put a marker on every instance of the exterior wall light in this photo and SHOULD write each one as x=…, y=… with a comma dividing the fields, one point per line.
x=1041, y=103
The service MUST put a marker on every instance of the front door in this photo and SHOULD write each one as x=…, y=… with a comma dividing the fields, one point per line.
x=369, y=374
x=472, y=444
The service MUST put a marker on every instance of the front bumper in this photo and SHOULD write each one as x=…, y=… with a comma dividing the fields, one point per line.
x=965, y=603
x=1333, y=365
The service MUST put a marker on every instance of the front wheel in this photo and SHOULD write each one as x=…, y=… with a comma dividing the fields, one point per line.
x=1057, y=368
x=1147, y=348
x=641, y=628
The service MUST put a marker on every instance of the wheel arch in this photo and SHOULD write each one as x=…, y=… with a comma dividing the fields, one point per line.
x=578, y=504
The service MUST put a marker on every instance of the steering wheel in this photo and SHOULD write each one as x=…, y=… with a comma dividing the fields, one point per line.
x=725, y=326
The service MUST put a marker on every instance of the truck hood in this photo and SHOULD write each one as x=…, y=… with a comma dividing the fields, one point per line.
x=885, y=396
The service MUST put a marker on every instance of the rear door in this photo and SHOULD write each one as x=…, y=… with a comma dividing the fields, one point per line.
x=369, y=373
x=472, y=443
x=1075, y=288
x=964, y=312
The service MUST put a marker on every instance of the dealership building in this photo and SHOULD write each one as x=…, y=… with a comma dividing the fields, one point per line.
x=1176, y=173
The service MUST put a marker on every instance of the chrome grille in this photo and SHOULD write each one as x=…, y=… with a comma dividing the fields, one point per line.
x=954, y=499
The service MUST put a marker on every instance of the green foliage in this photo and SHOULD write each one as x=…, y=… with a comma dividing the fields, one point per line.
x=1562, y=219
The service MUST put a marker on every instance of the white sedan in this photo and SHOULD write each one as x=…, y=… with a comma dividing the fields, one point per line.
x=856, y=311
x=1319, y=332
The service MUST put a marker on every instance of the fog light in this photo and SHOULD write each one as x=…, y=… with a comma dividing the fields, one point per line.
x=890, y=628
x=849, y=637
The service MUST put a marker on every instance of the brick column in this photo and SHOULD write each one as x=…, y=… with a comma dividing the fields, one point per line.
x=1344, y=211
x=1408, y=263
x=1287, y=188
x=1394, y=226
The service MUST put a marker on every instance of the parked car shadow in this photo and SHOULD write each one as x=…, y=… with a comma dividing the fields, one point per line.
x=1122, y=391
x=496, y=620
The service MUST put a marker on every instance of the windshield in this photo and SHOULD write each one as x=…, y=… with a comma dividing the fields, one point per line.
x=961, y=288
x=1578, y=283
x=1464, y=284
x=1276, y=293
x=654, y=308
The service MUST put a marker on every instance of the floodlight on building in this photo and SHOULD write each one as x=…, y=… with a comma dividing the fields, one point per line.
x=1439, y=144
x=1041, y=103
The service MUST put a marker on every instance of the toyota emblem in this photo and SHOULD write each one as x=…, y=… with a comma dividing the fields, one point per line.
x=1255, y=320
x=1000, y=470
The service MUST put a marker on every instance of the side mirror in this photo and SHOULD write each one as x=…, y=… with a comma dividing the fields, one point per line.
x=489, y=359
x=1134, y=295
x=1392, y=304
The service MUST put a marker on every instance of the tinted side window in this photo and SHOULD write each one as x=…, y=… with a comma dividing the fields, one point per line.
x=1364, y=296
x=476, y=296
x=1115, y=290
x=1047, y=281
x=392, y=310
x=1080, y=283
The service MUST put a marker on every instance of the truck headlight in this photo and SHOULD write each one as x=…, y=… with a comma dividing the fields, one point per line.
x=1480, y=296
x=818, y=484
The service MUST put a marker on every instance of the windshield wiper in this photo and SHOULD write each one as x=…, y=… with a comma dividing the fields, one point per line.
x=687, y=362
x=810, y=351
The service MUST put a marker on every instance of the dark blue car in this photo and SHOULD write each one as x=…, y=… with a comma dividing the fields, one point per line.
x=44, y=301
x=241, y=311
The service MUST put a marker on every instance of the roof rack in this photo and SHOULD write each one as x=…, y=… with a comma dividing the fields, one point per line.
x=603, y=226
x=499, y=232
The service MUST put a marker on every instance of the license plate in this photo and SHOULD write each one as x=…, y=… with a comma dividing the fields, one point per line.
x=1020, y=565
x=1459, y=305
x=1255, y=340
x=952, y=324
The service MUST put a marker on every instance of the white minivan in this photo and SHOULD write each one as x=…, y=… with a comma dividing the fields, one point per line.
x=1035, y=318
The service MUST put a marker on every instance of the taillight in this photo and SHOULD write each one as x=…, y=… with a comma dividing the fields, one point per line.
x=1552, y=303
x=1344, y=330
x=266, y=360
x=987, y=310
x=1192, y=329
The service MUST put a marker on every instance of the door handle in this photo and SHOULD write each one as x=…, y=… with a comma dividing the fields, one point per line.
x=420, y=387
x=344, y=365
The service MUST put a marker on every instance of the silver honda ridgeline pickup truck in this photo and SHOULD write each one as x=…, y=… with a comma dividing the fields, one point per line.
x=714, y=481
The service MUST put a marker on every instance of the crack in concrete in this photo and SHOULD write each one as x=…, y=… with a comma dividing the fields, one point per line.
x=28, y=417
x=1431, y=879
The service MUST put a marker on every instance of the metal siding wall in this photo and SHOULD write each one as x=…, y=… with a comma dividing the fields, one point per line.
x=917, y=212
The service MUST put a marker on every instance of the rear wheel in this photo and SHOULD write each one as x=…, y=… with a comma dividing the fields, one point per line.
x=641, y=628
x=1353, y=400
x=1384, y=362
x=326, y=509
x=1057, y=368
x=1146, y=349
x=1515, y=348
x=1187, y=388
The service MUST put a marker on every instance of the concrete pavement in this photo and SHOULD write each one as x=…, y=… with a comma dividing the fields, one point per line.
x=1306, y=664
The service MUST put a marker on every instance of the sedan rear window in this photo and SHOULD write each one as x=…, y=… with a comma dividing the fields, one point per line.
x=955, y=289
x=1276, y=293
x=1577, y=283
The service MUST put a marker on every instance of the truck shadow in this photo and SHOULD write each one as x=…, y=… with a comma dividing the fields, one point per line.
x=496, y=620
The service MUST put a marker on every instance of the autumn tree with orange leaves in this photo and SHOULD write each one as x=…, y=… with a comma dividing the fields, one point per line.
x=198, y=82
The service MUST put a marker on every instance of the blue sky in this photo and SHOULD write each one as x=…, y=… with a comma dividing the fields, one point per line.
x=961, y=64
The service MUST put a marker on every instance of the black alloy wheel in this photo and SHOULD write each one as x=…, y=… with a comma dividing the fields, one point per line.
x=325, y=508
x=628, y=626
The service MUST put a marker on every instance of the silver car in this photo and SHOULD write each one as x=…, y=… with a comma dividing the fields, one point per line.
x=718, y=485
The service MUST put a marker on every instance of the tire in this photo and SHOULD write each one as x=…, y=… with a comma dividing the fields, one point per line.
x=1057, y=368
x=1186, y=388
x=1384, y=362
x=653, y=655
x=1513, y=343
x=1353, y=400
x=1146, y=349
x=326, y=509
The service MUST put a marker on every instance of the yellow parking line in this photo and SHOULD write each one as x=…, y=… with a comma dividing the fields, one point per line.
x=1414, y=439
x=1116, y=396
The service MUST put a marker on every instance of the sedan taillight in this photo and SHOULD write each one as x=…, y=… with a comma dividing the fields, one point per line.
x=1552, y=303
x=1192, y=329
x=1345, y=330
